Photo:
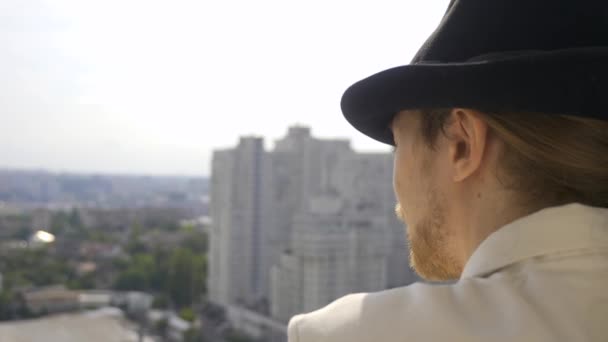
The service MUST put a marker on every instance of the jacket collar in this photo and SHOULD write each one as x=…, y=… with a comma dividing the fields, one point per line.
x=551, y=230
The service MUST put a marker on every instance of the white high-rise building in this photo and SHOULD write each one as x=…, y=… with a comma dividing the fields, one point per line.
x=365, y=181
x=297, y=227
x=242, y=224
x=346, y=240
x=334, y=252
x=302, y=169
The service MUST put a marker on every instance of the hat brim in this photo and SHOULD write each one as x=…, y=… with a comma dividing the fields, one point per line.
x=573, y=81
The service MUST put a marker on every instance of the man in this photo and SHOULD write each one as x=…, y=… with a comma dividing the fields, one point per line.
x=500, y=128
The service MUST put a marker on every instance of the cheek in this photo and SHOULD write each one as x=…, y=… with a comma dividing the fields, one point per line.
x=401, y=180
x=409, y=186
x=397, y=177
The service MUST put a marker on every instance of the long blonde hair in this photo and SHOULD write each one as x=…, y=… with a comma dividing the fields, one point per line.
x=549, y=158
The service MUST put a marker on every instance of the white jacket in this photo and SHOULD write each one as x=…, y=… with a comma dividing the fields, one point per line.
x=543, y=277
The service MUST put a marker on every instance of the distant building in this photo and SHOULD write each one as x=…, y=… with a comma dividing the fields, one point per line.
x=302, y=225
x=85, y=267
x=107, y=325
x=22, y=191
x=99, y=250
x=365, y=181
x=94, y=299
x=176, y=326
x=57, y=298
x=241, y=224
x=51, y=299
x=333, y=253
x=255, y=325
x=13, y=244
x=135, y=303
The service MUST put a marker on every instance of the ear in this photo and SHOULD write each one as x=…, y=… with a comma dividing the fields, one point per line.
x=467, y=142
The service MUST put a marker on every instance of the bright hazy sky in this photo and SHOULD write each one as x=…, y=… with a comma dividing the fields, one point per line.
x=154, y=86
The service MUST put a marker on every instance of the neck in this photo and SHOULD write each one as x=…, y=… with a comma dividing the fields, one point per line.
x=485, y=216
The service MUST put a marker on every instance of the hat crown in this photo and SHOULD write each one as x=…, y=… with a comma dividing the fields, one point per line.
x=472, y=28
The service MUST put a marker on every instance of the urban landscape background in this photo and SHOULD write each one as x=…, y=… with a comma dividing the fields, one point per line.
x=159, y=175
x=271, y=234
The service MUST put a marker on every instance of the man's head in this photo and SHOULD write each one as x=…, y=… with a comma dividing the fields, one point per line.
x=460, y=174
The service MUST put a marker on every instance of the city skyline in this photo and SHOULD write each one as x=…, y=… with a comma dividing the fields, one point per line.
x=153, y=88
x=268, y=144
x=298, y=226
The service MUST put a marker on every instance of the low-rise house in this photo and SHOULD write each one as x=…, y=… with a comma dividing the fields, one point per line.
x=94, y=299
x=99, y=250
x=13, y=244
x=103, y=325
x=134, y=302
x=51, y=299
x=85, y=267
x=176, y=326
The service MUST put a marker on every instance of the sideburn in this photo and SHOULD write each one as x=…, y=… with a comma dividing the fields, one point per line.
x=430, y=254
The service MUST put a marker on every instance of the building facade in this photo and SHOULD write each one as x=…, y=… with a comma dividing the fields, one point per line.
x=299, y=226
x=240, y=209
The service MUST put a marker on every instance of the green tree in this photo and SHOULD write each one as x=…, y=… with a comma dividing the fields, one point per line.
x=160, y=302
x=196, y=242
x=136, y=247
x=160, y=278
x=23, y=233
x=6, y=306
x=59, y=223
x=84, y=282
x=187, y=314
x=193, y=335
x=235, y=336
x=74, y=220
x=138, y=274
x=33, y=267
x=162, y=327
x=131, y=280
x=186, y=277
x=180, y=277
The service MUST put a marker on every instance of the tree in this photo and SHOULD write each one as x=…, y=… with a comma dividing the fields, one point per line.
x=187, y=314
x=131, y=280
x=196, y=242
x=134, y=246
x=85, y=282
x=23, y=233
x=194, y=335
x=6, y=306
x=138, y=274
x=162, y=327
x=235, y=336
x=186, y=277
x=160, y=302
x=74, y=219
x=59, y=223
x=180, y=277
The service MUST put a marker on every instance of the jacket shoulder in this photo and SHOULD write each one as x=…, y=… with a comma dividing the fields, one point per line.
x=377, y=316
x=323, y=323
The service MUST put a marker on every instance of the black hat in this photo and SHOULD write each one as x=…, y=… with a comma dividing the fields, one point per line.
x=547, y=56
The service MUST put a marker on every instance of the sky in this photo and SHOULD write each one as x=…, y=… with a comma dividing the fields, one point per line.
x=153, y=87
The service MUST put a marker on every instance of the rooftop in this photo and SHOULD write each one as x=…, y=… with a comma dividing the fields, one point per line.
x=97, y=326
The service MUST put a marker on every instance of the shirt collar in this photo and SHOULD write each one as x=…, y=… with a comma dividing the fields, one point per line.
x=550, y=230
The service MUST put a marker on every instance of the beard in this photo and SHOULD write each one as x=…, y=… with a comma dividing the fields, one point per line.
x=429, y=242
